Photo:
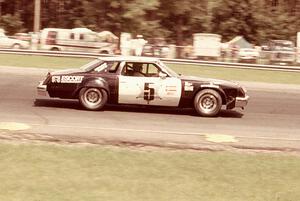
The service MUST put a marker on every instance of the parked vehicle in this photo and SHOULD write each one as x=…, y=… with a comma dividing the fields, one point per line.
x=11, y=43
x=22, y=36
x=280, y=52
x=249, y=55
x=156, y=47
x=141, y=81
x=77, y=39
x=207, y=45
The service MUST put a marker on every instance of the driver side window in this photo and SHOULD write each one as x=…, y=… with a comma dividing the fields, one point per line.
x=138, y=69
x=127, y=70
x=135, y=69
x=152, y=70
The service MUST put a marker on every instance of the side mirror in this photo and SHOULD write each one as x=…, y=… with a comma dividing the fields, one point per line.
x=162, y=75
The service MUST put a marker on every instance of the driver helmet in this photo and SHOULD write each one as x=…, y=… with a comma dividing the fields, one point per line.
x=137, y=67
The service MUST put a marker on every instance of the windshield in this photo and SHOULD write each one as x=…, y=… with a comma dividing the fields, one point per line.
x=91, y=65
x=167, y=69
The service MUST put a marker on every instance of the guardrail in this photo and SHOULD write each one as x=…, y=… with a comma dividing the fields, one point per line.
x=179, y=61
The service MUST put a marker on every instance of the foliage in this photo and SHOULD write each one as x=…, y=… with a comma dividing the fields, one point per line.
x=11, y=23
x=175, y=20
x=183, y=18
x=236, y=17
x=277, y=24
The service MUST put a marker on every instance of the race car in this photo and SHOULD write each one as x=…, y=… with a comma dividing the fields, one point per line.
x=141, y=81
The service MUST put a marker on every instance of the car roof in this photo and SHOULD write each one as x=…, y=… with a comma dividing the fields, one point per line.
x=130, y=58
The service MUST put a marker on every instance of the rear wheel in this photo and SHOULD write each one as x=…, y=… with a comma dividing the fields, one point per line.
x=104, y=52
x=54, y=49
x=93, y=98
x=208, y=102
x=16, y=46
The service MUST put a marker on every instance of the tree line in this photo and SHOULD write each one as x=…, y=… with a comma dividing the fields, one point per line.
x=175, y=20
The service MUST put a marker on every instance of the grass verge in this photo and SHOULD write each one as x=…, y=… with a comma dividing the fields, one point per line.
x=239, y=74
x=84, y=173
x=203, y=71
x=47, y=62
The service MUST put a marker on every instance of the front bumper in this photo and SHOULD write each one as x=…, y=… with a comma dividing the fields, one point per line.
x=241, y=102
x=42, y=91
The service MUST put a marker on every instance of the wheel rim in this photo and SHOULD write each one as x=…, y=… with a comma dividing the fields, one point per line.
x=92, y=97
x=208, y=103
x=16, y=47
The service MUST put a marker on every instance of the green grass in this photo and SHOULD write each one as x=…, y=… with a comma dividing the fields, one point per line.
x=203, y=71
x=41, y=61
x=239, y=74
x=78, y=173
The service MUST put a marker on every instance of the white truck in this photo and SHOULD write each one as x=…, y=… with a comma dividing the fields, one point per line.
x=282, y=52
x=77, y=39
x=207, y=45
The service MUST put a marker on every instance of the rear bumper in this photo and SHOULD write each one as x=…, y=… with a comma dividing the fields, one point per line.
x=241, y=102
x=248, y=57
x=42, y=91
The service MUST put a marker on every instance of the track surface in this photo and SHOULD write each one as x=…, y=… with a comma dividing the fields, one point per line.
x=270, y=121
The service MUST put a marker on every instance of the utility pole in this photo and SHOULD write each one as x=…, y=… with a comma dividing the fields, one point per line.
x=37, y=16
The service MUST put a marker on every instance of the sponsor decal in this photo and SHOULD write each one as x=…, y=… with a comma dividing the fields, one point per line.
x=171, y=90
x=188, y=86
x=210, y=85
x=55, y=79
x=67, y=79
x=71, y=79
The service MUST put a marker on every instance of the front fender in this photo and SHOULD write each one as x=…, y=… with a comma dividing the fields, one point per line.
x=94, y=82
x=187, y=98
x=216, y=88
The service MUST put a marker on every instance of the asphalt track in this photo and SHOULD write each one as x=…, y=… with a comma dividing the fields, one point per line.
x=271, y=121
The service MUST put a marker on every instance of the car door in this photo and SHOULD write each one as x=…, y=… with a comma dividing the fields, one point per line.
x=151, y=86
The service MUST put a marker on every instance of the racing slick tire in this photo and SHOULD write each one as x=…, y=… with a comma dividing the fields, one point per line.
x=208, y=102
x=93, y=98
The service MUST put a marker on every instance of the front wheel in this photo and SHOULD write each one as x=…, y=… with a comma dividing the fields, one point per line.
x=92, y=98
x=208, y=102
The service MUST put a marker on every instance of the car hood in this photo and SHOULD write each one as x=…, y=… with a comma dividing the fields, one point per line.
x=210, y=81
x=67, y=71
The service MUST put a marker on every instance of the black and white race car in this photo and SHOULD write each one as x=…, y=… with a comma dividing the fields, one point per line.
x=141, y=81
